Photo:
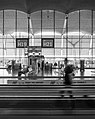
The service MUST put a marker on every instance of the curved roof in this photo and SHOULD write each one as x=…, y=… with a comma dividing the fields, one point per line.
x=30, y=6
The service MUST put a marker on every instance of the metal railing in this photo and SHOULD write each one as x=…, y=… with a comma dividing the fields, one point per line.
x=45, y=91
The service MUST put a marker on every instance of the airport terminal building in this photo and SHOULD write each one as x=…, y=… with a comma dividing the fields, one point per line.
x=43, y=45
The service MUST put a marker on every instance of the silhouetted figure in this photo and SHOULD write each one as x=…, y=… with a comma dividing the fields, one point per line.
x=69, y=73
x=38, y=66
x=65, y=61
x=46, y=67
x=55, y=64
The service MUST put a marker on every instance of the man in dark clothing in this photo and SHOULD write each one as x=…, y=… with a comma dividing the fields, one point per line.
x=68, y=74
x=65, y=61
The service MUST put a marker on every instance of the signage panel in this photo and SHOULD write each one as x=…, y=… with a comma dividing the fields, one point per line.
x=22, y=42
x=35, y=49
x=47, y=43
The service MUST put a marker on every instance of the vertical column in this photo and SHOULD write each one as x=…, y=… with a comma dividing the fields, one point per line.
x=28, y=33
x=3, y=39
x=62, y=39
x=28, y=25
x=91, y=40
x=79, y=36
x=54, y=32
x=92, y=31
x=15, y=31
x=66, y=35
x=41, y=27
x=3, y=22
x=30, y=29
x=62, y=46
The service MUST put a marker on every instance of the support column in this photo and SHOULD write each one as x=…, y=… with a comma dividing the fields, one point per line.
x=79, y=36
x=67, y=35
x=64, y=31
x=3, y=40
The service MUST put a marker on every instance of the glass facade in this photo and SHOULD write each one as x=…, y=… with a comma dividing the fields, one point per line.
x=73, y=33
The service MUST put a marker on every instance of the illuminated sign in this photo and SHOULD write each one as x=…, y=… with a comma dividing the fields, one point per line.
x=35, y=49
x=22, y=42
x=47, y=43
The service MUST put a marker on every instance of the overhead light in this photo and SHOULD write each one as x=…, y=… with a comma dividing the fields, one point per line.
x=76, y=34
x=47, y=34
x=20, y=34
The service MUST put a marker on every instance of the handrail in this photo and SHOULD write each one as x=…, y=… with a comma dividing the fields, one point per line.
x=20, y=86
x=45, y=77
x=46, y=88
x=45, y=91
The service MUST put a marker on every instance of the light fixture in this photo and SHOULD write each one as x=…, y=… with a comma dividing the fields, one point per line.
x=76, y=33
x=48, y=33
x=17, y=34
